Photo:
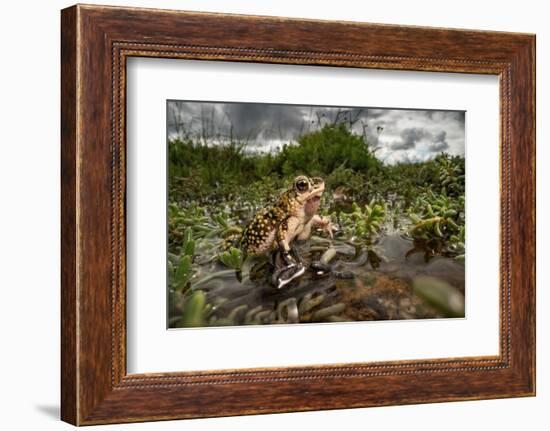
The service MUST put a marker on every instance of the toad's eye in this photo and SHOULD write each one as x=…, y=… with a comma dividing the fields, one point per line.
x=302, y=185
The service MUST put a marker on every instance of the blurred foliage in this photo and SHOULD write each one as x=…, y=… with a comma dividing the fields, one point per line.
x=194, y=311
x=440, y=295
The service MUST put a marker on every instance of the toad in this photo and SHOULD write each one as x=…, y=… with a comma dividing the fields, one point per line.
x=292, y=216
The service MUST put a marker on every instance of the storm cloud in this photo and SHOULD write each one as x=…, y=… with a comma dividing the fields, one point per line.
x=396, y=134
x=439, y=142
x=409, y=138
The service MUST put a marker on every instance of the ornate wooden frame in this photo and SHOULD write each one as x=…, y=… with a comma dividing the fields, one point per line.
x=95, y=43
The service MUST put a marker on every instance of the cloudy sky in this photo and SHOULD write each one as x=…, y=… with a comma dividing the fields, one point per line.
x=397, y=134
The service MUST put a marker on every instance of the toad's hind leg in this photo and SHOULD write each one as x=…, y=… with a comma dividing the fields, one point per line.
x=286, y=232
x=282, y=232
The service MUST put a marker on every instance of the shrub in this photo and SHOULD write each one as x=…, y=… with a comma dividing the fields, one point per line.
x=321, y=152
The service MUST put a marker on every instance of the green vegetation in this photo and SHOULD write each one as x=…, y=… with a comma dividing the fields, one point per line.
x=215, y=190
x=363, y=223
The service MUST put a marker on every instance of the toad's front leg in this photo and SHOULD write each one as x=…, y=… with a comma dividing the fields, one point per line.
x=317, y=221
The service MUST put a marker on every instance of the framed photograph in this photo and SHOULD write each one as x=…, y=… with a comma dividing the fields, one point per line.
x=322, y=214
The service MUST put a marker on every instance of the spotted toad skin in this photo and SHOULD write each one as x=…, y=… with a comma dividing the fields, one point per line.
x=291, y=216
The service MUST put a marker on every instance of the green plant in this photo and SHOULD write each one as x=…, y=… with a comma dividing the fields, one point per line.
x=438, y=216
x=200, y=222
x=344, y=181
x=438, y=222
x=458, y=244
x=195, y=311
x=363, y=223
x=216, y=187
x=322, y=151
x=233, y=258
x=451, y=174
x=180, y=267
x=440, y=295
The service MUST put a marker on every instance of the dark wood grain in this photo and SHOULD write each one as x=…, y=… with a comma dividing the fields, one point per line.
x=69, y=397
x=96, y=41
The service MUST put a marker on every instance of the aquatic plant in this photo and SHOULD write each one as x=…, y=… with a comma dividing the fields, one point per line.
x=180, y=267
x=180, y=219
x=458, y=244
x=233, y=258
x=203, y=224
x=436, y=216
x=451, y=174
x=363, y=223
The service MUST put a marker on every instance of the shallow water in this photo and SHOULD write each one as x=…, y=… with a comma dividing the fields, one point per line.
x=393, y=279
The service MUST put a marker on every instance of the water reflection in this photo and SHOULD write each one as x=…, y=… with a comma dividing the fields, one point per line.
x=397, y=278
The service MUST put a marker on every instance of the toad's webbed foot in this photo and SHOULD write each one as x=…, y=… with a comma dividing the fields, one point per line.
x=295, y=254
x=285, y=275
x=290, y=270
